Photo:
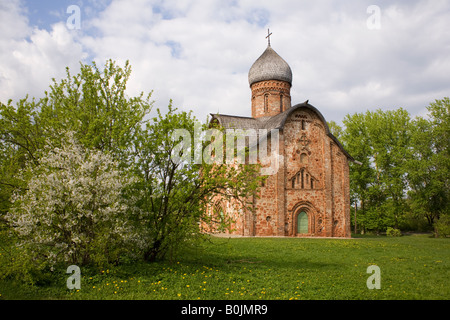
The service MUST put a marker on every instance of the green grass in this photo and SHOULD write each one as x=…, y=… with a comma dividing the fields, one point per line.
x=412, y=267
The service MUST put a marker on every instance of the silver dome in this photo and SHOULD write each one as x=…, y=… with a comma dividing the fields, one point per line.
x=270, y=66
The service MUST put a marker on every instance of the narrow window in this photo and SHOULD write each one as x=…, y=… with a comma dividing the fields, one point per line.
x=266, y=103
x=303, y=185
x=303, y=124
x=293, y=182
x=281, y=103
x=312, y=185
x=303, y=158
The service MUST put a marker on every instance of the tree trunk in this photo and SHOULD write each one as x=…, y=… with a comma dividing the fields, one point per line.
x=152, y=254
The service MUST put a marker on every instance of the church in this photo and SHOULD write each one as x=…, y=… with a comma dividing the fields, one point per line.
x=309, y=194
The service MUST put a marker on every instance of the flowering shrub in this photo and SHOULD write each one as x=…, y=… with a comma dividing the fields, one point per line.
x=73, y=210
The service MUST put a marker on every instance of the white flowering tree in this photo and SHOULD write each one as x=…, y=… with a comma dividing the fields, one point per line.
x=73, y=209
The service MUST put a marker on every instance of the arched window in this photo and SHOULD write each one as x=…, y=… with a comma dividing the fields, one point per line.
x=218, y=217
x=266, y=103
x=302, y=223
x=304, y=158
x=281, y=103
x=303, y=179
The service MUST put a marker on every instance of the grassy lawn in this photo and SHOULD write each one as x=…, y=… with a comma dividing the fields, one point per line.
x=412, y=267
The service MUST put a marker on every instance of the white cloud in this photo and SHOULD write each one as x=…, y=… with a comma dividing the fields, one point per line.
x=199, y=52
x=29, y=57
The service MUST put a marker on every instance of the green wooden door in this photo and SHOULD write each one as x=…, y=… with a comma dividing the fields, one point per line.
x=302, y=223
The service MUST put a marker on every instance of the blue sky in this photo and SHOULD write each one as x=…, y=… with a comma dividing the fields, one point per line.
x=198, y=53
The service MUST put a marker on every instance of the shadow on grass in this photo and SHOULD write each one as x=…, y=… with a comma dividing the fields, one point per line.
x=383, y=235
x=235, y=254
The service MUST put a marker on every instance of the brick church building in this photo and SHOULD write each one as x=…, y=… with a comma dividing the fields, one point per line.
x=309, y=193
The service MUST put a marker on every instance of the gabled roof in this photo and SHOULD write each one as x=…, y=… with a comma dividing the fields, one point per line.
x=270, y=123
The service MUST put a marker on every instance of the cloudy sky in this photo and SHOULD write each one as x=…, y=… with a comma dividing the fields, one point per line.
x=346, y=56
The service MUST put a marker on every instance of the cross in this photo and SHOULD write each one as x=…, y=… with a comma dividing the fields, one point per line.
x=268, y=35
x=304, y=141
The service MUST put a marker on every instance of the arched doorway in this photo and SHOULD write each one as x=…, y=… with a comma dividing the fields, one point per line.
x=302, y=222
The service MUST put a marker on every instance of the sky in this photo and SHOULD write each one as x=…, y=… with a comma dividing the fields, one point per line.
x=346, y=56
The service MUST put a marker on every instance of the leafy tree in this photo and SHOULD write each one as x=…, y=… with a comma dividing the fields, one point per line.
x=335, y=129
x=379, y=140
x=390, y=132
x=73, y=210
x=92, y=104
x=429, y=163
x=174, y=193
x=355, y=138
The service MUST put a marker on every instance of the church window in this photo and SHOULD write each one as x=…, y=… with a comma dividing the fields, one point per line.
x=303, y=185
x=312, y=184
x=302, y=223
x=303, y=124
x=303, y=158
x=266, y=102
x=281, y=103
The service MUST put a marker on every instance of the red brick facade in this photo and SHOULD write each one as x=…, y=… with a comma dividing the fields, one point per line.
x=270, y=98
x=309, y=194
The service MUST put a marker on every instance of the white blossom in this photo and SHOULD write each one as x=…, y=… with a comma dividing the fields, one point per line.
x=74, y=197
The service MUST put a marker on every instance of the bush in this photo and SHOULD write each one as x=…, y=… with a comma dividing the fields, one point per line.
x=73, y=210
x=442, y=226
x=391, y=232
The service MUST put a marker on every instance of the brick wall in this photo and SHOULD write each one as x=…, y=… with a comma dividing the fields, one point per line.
x=313, y=177
x=270, y=98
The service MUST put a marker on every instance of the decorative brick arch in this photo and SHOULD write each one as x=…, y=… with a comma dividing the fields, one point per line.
x=312, y=214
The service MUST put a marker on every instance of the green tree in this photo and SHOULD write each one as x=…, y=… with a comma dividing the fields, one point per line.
x=429, y=163
x=73, y=210
x=93, y=104
x=335, y=129
x=390, y=135
x=174, y=193
x=355, y=138
x=379, y=140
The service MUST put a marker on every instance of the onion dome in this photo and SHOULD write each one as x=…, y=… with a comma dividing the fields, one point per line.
x=270, y=66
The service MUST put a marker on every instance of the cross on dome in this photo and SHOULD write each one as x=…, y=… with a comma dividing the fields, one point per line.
x=268, y=36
